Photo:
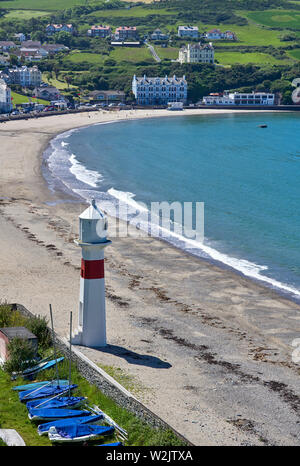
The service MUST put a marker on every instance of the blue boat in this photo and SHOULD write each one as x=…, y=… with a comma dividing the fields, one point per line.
x=116, y=444
x=43, y=429
x=48, y=414
x=59, y=402
x=34, y=385
x=78, y=433
x=45, y=392
x=41, y=366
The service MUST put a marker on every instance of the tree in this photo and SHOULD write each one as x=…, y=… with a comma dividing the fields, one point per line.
x=13, y=59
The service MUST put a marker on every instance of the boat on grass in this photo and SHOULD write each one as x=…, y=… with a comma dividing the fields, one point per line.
x=115, y=444
x=34, y=385
x=58, y=402
x=45, y=392
x=72, y=433
x=49, y=414
x=121, y=433
x=43, y=429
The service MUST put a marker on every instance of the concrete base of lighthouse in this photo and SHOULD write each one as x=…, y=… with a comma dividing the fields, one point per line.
x=91, y=330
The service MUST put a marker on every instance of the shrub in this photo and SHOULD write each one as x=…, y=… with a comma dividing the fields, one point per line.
x=38, y=326
x=21, y=354
x=9, y=317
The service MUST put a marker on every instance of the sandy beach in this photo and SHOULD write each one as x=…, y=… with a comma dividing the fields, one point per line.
x=208, y=350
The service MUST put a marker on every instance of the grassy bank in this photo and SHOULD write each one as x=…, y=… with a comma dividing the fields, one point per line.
x=14, y=415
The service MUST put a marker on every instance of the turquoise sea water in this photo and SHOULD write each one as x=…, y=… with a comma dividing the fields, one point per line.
x=248, y=178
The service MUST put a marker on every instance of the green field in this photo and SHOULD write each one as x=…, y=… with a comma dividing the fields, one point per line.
x=135, y=12
x=127, y=54
x=22, y=99
x=131, y=54
x=45, y=5
x=248, y=35
x=230, y=58
x=294, y=53
x=61, y=85
x=276, y=18
x=81, y=57
x=166, y=53
x=23, y=14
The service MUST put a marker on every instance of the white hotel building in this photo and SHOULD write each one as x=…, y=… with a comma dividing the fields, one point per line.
x=159, y=91
x=197, y=53
x=240, y=98
x=5, y=97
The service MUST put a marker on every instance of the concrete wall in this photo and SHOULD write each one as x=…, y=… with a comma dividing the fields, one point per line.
x=110, y=387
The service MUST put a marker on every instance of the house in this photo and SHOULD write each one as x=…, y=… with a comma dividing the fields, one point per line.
x=53, y=28
x=5, y=97
x=20, y=36
x=24, y=76
x=240, y=98
x=4, y=60
x=59, y=104
x=7, y=45
x=47, y=93
x=217, y=34
x=158, y=35
x=107, y=97
x=196, y=53
x=32, y=54
x=125, y=32
x=229, y=35
x=188, y=31
x=54, y=48
x=159, y=91
x=99, y=31
x=7, y=334
x=31, y=44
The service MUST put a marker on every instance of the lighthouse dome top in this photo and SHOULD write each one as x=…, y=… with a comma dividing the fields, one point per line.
x=93, y=225
x=92, y=212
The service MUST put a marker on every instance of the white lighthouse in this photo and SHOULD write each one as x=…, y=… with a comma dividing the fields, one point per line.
x=92, y=240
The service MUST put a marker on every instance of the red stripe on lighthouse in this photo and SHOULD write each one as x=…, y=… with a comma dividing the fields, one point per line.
x=91, y=270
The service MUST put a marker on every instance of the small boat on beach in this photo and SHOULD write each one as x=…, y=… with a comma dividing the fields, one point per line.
x=43, y=429
x=74, y=433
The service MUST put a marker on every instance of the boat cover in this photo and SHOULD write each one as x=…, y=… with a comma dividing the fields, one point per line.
x=44, y=392
x=34, y=385
x=59, y=402
x=42, y=366
x=61, y=422
x=56, y=413
x=72, y=431
x=116, y=444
